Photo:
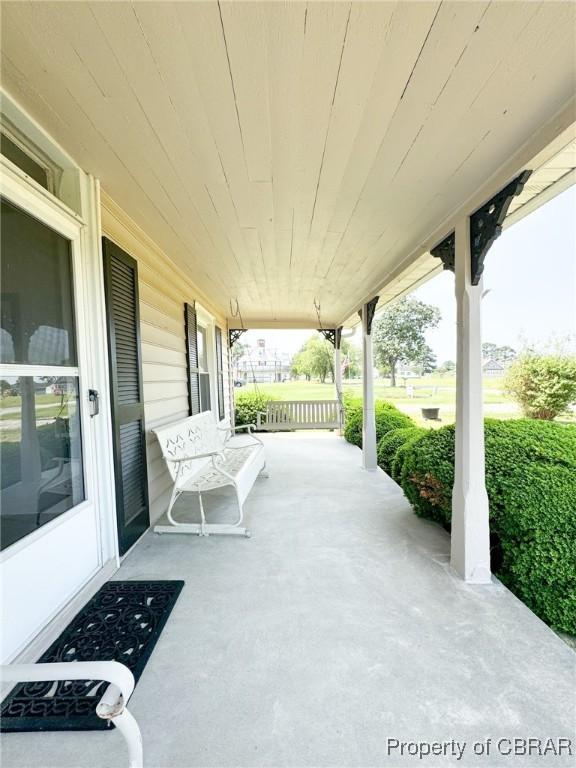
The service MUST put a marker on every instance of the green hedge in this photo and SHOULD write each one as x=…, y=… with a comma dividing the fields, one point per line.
x=531, y=484
x=538, y=539
x=425, y=470
x=402, y=452
x=248, y=404
x=392, y=441
x=388, y=417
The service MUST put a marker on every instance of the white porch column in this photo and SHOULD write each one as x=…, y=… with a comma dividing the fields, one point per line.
x=338, y=372
x=369, y=461
x=470, y=544
x=338, y=375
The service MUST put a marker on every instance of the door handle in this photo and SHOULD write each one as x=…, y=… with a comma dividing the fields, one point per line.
x=94, y=399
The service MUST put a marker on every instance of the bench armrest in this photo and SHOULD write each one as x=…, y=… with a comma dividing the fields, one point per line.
x=235, y=429
x=232, y=430
x=196, y=456
x=112, y=705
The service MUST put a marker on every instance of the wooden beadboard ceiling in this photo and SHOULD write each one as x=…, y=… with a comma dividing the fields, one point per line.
x=281, y=152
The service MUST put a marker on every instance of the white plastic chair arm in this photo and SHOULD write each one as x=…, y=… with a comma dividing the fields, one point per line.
x=112, y=705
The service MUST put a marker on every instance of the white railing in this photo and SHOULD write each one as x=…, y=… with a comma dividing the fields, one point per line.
x=112, y=705
x=299, y=414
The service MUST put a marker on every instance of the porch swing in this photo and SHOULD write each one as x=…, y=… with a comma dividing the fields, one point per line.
x=288, y=415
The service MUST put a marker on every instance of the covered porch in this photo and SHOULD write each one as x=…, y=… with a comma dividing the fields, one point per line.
x=336, y=627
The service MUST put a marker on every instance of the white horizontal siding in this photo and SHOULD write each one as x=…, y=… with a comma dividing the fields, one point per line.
x=163, y=291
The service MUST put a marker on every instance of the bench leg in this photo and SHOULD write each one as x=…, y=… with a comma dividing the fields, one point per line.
x=264, y=472
x=240, y=509
x=202, y=516
x=203, y=528
x=173, y=498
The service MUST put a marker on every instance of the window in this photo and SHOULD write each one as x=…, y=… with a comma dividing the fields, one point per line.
x=220, y=374
x=198, y=362
x=41, y=446
x=14, y=151
x=203, y=369
x=37, y=313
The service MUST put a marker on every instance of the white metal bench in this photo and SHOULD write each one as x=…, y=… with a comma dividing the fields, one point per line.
x=201, y=456
x=112, y=705
x=299, y=414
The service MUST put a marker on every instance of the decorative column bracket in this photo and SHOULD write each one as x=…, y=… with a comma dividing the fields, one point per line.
x=234, y=334
x=333, y=335
x=486, y=223
x=485, y=227
x=371, y=307
x=445, y=251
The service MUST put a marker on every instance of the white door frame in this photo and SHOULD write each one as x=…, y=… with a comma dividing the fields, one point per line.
x=91, y=370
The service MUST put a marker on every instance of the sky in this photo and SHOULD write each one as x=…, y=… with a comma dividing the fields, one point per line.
x=530, y=277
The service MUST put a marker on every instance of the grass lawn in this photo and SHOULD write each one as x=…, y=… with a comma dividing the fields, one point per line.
x=429, y=391
x=40, y=398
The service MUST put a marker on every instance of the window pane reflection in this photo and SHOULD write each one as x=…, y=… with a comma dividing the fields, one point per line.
x=37, y=302
x=40, y=451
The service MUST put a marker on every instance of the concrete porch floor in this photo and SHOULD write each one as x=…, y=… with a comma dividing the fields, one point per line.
x=334, y=628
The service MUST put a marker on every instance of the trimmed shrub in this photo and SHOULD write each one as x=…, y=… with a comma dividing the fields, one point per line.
x=537, y=535
x=392, y=441
x=543, y=385
x=531, y=484
x=425, y=470
x=388, y=417
x=353, y=421
x=248, y=404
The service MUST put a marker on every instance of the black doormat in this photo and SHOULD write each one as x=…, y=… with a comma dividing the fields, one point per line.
x=122, y=622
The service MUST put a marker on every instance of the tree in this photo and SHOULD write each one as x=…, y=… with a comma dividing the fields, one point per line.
x=448, y=366
x=302, y=364
x=428, y=363
x=316, y=358
x=398, y=333
x=350, y=356
x=504, y=354
x=543, y=385
x=321, y=358
x=238, y=351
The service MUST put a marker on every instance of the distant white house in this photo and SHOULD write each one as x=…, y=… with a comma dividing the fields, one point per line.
x=263, y=364
x=493, y=368
x=406, y=371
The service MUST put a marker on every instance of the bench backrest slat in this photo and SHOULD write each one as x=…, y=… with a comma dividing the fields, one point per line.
x=195, y=435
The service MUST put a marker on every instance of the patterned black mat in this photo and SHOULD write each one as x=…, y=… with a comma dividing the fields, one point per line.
x=122, y=622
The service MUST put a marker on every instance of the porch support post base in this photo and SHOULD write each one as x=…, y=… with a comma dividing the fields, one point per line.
x=470, y=541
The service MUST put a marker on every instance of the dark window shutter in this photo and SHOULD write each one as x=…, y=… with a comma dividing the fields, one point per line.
x=220, y=374
x=127, y=399
x=191, y=325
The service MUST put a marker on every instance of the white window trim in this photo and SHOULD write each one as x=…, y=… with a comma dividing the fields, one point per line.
x=208, y=322
x=39, y=144
x=53, y=171
x=19, y=188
